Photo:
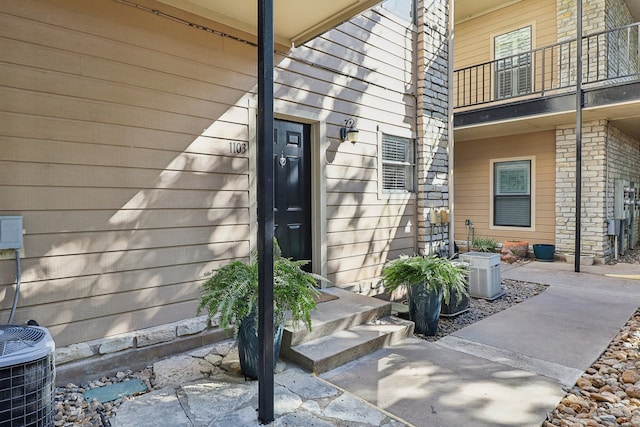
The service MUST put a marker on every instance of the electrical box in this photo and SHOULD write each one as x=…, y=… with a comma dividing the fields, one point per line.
x=10, y=232
x=434, y=216
x=444, y=216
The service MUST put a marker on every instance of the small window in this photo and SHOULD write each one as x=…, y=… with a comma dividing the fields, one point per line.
x=512, y=193
x=397, y=164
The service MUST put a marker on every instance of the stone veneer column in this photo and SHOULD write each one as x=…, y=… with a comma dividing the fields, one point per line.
x=606, y=152
x=432, y=118
x=594, y=229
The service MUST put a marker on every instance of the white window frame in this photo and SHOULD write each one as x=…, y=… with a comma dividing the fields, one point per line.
x=409, y=165
x=532, y=191
x=514, y=69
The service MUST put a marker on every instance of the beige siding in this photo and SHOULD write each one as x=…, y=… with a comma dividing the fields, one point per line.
x=473, y=188
x=474, y=38
x=115, y=126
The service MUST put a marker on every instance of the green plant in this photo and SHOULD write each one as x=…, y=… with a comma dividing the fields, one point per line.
x=435, y=274
x=484, y=244
x=232, y=291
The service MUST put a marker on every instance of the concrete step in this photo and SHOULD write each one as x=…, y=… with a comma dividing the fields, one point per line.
x=344, y=345
x=350, y=309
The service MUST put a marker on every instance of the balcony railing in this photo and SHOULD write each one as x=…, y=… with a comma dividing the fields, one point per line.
x=608, y=57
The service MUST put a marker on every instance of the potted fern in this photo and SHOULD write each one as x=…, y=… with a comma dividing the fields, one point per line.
x=232, y=293
x=428, y=280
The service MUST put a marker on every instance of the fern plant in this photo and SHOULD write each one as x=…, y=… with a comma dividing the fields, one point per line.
x=435, y=274
x=232, y=291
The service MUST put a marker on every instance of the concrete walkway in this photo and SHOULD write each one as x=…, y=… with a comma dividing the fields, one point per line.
x=506, y=370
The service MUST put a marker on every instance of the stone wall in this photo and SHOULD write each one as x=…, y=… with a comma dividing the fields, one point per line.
x=624, y=158
x=606, y=152
x=593, y=230
x=432, y=121
x=605, y=56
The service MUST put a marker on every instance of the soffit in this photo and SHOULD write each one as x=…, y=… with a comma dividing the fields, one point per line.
x=295, y=21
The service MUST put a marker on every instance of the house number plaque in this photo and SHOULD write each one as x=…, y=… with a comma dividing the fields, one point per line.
x=238, y=147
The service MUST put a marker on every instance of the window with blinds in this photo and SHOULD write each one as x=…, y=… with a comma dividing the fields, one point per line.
x=512, y=193
x=397, y=164
x=512, y=53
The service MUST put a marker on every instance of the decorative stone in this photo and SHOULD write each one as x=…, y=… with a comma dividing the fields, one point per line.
x=633, y=391
x=119, y=343
x=605, y=396
x=72, y=353
x=192, y=326
x=155, y=335
x=630, y=376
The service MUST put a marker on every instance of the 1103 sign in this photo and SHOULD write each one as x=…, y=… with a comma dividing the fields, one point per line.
x=238, y=147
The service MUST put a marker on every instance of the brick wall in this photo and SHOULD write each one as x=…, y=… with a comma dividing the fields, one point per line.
x=432, y=123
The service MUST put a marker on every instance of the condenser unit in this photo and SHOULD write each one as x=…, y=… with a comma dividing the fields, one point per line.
x=27, y=376
x=484, y=274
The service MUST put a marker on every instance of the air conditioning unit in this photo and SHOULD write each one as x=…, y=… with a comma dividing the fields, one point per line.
x=27, y=377
x=484, y=275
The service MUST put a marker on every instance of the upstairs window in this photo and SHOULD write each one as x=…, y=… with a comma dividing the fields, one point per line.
x=512, y=193
x=397, y=164
x=512, y=53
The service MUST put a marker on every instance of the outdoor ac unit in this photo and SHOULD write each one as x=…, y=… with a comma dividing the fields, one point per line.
x=27, y=376
x=484, y=274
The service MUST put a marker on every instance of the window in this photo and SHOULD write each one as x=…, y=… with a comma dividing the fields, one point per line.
x=512, y=52
x=397, y=164
x=401, y=8
x=512, y=193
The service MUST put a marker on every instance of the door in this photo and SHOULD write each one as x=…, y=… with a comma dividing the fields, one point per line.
x=292, y=189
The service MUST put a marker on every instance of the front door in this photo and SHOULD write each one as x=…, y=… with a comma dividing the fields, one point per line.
x=292, y=189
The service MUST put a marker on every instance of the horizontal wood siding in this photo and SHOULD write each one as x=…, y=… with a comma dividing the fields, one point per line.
x=115, y=127
x=114, y=146
x=360, y=70
x=473, y=185
x=474, y=38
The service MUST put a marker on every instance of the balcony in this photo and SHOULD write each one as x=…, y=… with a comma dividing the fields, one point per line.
x=609, y=57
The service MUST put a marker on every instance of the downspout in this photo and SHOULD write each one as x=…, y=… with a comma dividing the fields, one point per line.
x=450, y=146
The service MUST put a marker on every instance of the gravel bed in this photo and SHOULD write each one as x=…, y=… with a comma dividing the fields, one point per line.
x=515, y=292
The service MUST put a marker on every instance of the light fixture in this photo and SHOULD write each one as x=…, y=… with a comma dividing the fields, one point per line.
x=349, y=132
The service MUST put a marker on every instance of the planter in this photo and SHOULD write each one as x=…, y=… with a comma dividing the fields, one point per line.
x=424, y=309
x=248, y=345
x=453, y=308
x=544, y=252
x=519, y=248
x=584, y=259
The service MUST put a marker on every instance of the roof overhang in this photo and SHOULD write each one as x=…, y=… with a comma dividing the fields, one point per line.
x=469, y=9
x=295, y=21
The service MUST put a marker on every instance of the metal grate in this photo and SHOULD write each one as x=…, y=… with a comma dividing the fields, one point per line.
x=27, y=377
x=16, y=338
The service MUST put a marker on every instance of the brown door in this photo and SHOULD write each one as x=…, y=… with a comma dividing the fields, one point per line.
x=292, y=192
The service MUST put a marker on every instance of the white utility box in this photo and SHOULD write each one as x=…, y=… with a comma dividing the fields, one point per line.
x=484, y=274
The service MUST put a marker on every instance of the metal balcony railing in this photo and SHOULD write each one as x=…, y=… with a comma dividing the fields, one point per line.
x=608, y=57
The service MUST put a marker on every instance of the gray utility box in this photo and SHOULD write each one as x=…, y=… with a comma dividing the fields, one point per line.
x=10, y=232
x=484, y=274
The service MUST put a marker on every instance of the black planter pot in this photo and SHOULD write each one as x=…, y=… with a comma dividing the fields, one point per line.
x=248, y=345
x=424, y=309
x=454, y=308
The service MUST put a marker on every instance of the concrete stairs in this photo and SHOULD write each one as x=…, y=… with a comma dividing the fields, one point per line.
x=343, y=330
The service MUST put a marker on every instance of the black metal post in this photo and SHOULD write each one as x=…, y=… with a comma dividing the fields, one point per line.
x=265, y=210
x=578, y=135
